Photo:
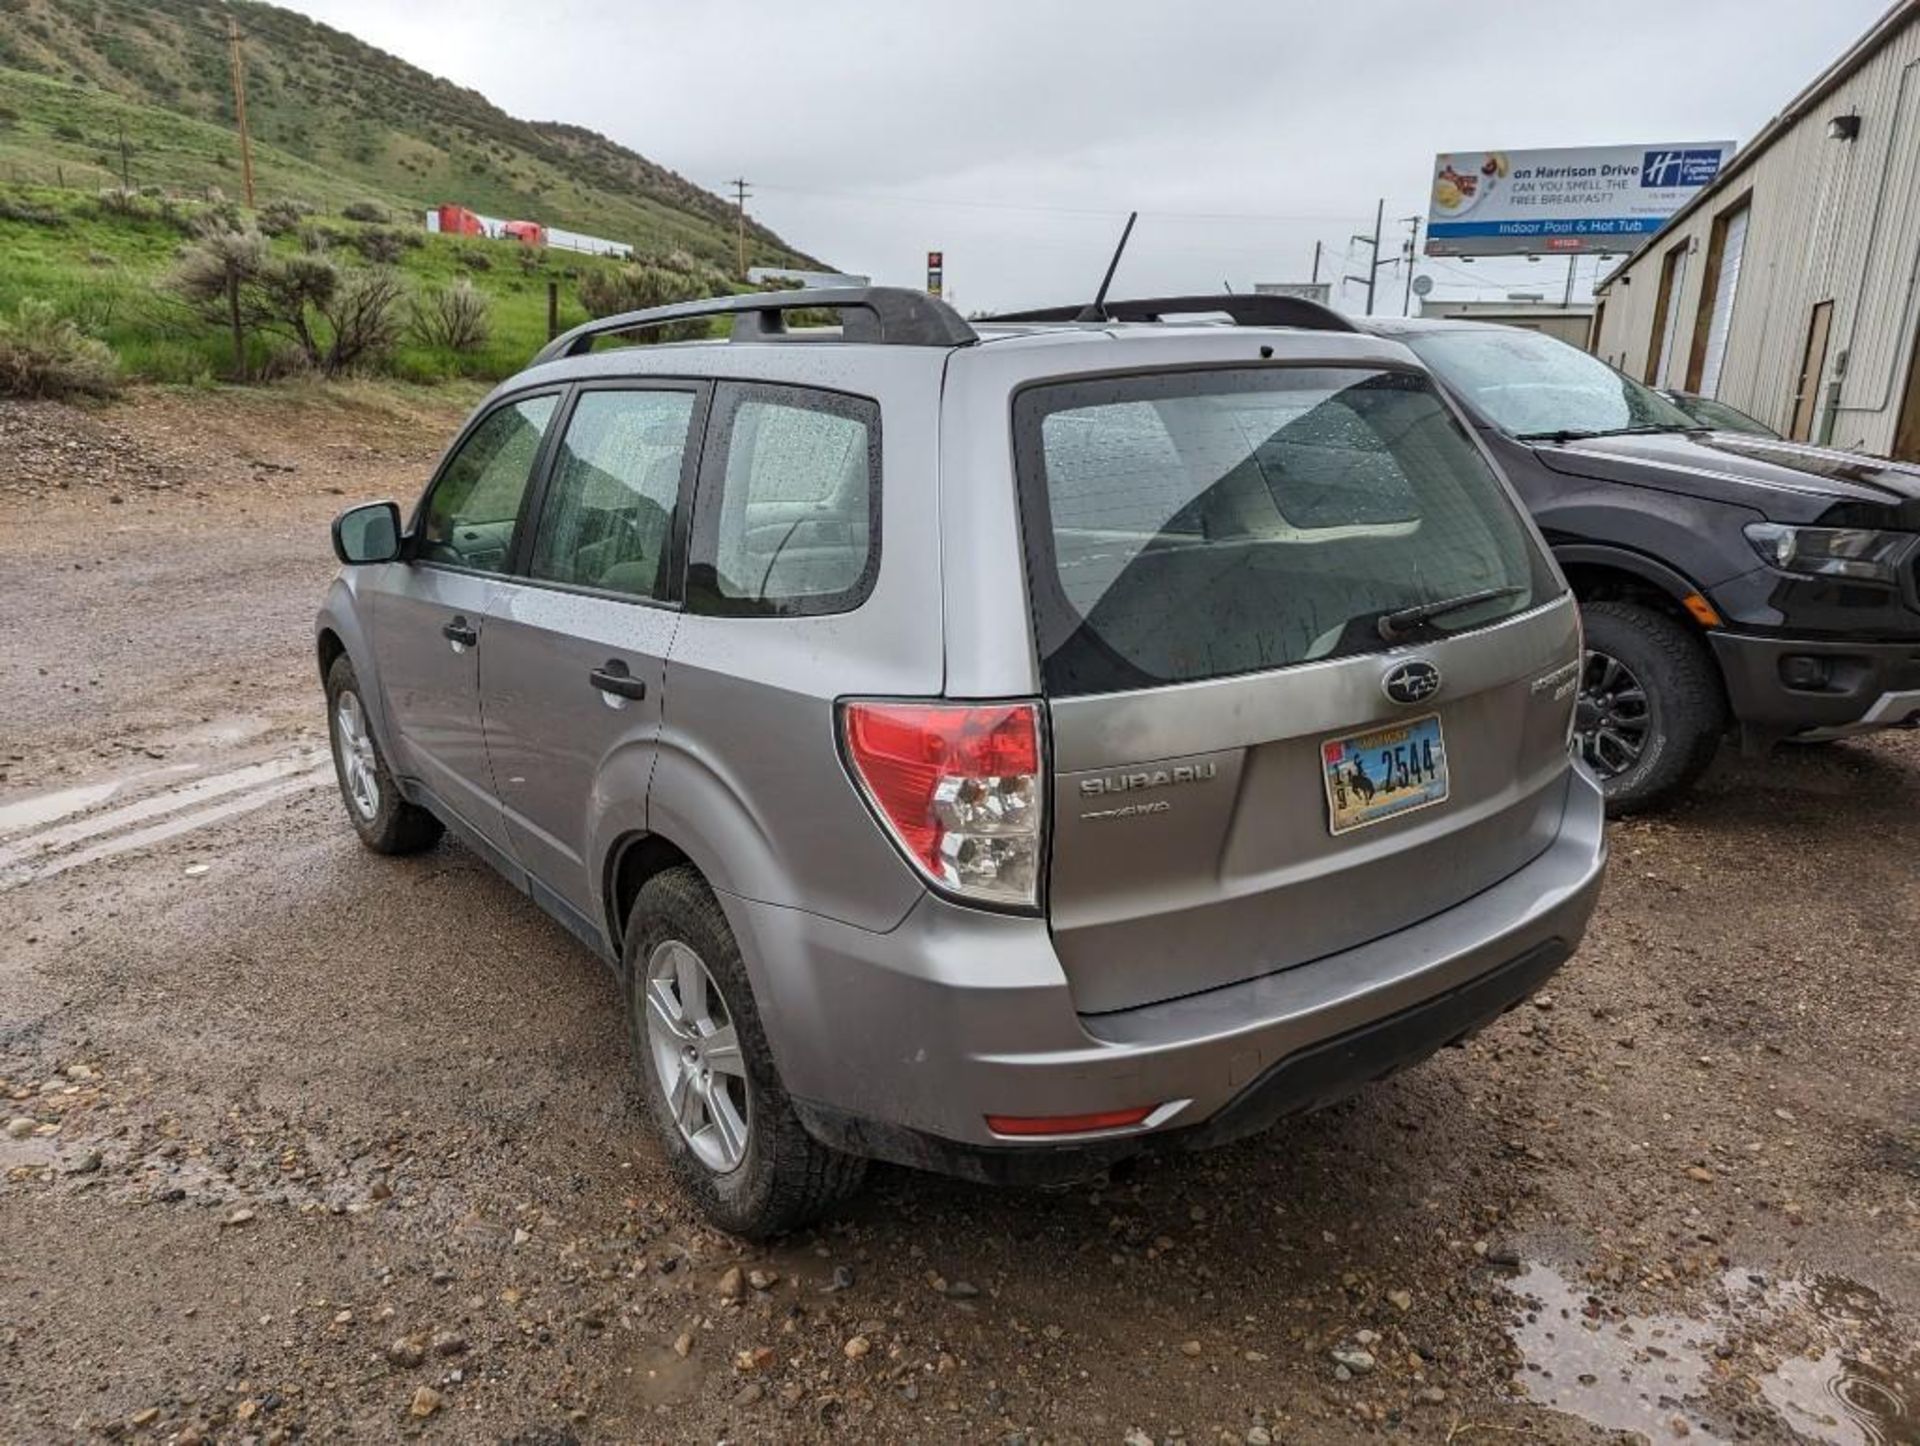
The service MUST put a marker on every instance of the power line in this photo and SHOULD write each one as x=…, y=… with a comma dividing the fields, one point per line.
x=877, y=198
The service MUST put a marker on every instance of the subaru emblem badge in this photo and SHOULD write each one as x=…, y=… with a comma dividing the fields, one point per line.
x=1411, y=682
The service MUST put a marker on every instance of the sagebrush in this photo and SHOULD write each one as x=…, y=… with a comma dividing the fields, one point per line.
x=338, y=318
x=635, y=288
x=455, y=317
x=44, y=354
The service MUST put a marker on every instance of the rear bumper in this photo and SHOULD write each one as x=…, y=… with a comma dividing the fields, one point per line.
x=899, y=1045
x=1864, y=685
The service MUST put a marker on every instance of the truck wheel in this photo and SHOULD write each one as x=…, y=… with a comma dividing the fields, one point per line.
x=1650, y=713
x=701, y=1059
x=385, y=821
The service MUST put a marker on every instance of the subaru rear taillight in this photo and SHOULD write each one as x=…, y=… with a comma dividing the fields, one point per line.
x=959, y=787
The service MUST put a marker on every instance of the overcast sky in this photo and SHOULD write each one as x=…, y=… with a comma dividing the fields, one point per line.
x=1014, y=135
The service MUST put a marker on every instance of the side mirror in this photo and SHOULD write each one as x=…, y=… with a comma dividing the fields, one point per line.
x=368, y=533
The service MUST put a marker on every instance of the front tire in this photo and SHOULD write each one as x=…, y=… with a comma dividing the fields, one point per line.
x=385, y=821
x=700, y=1057
x=1651, y=712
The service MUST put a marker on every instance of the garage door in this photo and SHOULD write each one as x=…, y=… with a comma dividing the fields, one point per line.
x=1733, y=243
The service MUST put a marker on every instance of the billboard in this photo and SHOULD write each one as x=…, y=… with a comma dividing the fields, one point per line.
x=1574, y=199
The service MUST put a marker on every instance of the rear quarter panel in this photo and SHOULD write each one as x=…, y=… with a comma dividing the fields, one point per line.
x=749, y=782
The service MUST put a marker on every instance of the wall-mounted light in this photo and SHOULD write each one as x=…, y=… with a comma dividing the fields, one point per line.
x=1844, y=127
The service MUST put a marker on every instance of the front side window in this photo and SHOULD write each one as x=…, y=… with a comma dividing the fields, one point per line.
x=1196, y=525
x=1532, y=386
x=607, y=521
x=470, y=517
x=789, y=515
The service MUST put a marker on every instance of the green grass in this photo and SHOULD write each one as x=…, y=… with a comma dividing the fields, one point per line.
x=106, y=272
x=64, y=135
x=333, y=120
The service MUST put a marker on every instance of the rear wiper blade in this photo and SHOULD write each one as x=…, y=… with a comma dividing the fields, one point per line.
x=1392, y=625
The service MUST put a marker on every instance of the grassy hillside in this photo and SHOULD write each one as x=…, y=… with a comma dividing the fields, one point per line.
x=333, y=120
x=107, y=271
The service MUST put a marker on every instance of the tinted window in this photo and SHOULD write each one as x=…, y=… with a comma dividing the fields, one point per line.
x=789, y=516
x=607, y=521
x=1528, y=384
x=471, y=514
x=1201, y=524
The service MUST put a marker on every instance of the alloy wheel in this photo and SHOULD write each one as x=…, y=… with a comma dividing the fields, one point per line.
x=353, y=743
x=696, y=1056
x=1613, y=721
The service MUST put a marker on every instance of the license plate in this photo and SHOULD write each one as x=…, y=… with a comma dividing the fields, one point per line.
x=1372, y=777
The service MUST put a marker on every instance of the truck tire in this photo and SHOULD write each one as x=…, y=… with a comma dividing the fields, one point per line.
x=1651, y=711
x=385, y=821
x=700, y=1058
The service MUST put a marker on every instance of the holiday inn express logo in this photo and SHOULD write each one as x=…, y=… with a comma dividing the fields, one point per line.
x=1679, y=168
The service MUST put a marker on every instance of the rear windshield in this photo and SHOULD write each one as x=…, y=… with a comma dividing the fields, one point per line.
x=1190, y=525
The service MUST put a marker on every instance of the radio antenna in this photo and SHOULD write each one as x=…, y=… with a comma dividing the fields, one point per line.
x=1098, y=311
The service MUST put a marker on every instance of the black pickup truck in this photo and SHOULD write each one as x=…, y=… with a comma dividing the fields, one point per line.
x=1726, y=580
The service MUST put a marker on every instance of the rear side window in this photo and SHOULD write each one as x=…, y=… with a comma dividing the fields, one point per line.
x=472, y=512
x=788, y=521
x=1196, y=525
x=607, y=521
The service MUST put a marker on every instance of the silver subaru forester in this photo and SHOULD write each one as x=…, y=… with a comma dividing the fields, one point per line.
x=995, y=748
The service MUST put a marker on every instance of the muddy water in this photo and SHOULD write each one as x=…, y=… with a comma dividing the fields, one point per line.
x=1819, y=1356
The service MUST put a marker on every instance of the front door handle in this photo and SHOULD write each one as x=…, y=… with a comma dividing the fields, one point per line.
x=461, y=634
x=614, y=679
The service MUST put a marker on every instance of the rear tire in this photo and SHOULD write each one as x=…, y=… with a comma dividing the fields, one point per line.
x=1651, y=710
x=385, y=821
x=735, y=1145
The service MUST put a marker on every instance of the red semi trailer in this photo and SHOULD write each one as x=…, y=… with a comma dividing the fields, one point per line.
x=459, y=221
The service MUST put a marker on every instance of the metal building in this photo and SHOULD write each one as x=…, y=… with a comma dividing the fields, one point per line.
x=1787, y=287
x=1569, y=323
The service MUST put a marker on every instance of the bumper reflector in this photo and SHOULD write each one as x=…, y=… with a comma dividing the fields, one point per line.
x=1702, y=611
x=1068, y=1124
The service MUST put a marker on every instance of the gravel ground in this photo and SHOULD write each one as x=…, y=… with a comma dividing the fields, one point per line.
x=304, y=1143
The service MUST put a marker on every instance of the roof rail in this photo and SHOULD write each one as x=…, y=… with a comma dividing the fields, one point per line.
x=889, y=315
x=1254, y=310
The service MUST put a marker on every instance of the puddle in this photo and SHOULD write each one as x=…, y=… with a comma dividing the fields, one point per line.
x=1818, y=1356
x=1854, y=1381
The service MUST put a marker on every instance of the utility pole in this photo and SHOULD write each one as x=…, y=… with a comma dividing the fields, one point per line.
x=1412, y=250
x=740, y=194
x=239, y=66
x=1572, y=261
x=1373, y=271
x=1316, y=261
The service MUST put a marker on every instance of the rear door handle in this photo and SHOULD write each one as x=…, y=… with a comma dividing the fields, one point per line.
x=616, y=680
x=461, y=633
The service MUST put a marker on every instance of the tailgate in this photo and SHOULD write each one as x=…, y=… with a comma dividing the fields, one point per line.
x=1192, y=834
x=1309, y=669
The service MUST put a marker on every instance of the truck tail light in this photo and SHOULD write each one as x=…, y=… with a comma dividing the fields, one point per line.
x=960, y=788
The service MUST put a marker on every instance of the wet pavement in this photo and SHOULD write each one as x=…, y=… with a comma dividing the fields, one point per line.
x=297, y=1142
